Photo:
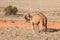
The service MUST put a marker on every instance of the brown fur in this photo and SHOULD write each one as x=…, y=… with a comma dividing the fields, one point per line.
x=37, y=19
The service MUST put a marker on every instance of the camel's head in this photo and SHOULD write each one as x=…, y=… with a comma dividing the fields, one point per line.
x=28, y=17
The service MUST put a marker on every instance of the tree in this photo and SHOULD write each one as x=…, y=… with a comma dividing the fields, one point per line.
x=10, y=10
x=14, y=10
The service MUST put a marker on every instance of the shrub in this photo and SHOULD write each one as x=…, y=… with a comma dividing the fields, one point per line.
x=10, y=10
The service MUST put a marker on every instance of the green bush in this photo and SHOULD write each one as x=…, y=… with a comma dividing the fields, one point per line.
x=10, y=10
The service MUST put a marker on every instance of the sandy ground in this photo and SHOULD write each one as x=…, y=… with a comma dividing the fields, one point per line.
x=21, y=30
x=23, y=24
x=17, y=33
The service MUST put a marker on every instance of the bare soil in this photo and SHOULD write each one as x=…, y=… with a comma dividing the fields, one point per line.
x=17, y=33
x=24, y=24
x=21, y=30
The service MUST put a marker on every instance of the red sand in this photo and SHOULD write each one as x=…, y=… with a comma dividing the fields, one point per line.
x=24, y=24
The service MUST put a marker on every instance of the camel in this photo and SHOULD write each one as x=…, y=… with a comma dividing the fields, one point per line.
x=35, y=20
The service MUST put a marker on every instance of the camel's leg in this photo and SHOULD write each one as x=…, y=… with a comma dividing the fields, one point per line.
x=41, y=26
x=38, y=27
x=44, y=25
x=35, y=27
x=44, y=28
x=45, y=22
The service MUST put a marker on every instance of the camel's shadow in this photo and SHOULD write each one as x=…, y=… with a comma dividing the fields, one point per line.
x=53, y=30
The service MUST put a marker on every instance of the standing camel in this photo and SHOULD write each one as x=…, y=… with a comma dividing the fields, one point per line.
x=37, y=19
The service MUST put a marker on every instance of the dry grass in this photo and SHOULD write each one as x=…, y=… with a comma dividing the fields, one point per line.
x=9, y=31
x=17, y=33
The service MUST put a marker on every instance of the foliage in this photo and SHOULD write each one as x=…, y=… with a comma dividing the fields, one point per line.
x=10, y=10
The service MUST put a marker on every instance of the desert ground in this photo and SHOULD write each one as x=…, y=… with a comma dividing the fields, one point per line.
x=24, y=24
x=21, y=30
